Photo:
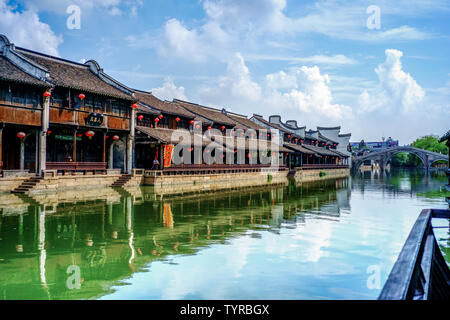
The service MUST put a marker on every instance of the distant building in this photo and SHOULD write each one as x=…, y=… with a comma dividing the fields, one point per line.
x=375, y=145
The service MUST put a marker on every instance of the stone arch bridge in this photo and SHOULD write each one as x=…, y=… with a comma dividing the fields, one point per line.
x=383, y=157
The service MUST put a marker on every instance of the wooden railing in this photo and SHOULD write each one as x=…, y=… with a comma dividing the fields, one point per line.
x=77, y=166
x=186, y=169
x=323, y=166
x=420, y=272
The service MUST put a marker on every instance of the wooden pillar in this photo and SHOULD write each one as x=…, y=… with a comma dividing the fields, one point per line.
x=22, y=154
x=130, y=142
x=74, y=149
x=1, y=147
x=43, y=135
x=104, y=147
x=111, y=156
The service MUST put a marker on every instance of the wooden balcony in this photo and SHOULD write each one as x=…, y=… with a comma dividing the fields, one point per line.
x=78, y=117
x=20, y=115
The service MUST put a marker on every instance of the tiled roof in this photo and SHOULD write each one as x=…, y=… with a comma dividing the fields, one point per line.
x=73, y=75
x=163, y=106
x=445, y=136
x=298, y=148
x=273, y=125
x=321, y=136
x=164, y=135
x=245, y=121
x=10, y=72
x=214, y=115
x=320, y=150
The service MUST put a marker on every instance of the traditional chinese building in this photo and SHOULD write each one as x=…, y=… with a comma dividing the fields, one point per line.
x=62, y=115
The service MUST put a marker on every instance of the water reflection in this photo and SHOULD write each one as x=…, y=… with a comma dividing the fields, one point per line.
x=296, y=242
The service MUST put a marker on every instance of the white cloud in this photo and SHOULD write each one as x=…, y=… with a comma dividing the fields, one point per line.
x=301, y=90
x=305, y=90
x=235, y=87
x=169, y=91
x=337, y=59
x=26, y=30
x=397, y=90
x=238, y=15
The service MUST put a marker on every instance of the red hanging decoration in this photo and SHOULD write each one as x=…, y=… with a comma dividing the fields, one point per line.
x=209, y=127
x=81, y=96
x=191, y=122
x=79, y=135
x=134, y=106
x=156, y=120
x=177, y=119
x=47, y=94
x=197, y=126
x=115, y=138
x=222, y=127
x=90, y=133
x=160, y=116
x=140, y=117
x=49, y=131
x=21, y=135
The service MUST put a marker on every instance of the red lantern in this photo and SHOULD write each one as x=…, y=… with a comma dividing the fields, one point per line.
x=268, y=135
x=156, y=120
x=90, y=133
x=301, y=141
x=47, y=94
x=79, y=135
x=191, y=122
x=134, y=106
x=81, y=96
x=106, y=137
x=289, y=135
x=177, y=119
x=197, y=126
x=140, y=117
x=160, y=116
x=115, y=138
x=21, y=135
x=222, y=127
x=49, y=131
x=209, y=128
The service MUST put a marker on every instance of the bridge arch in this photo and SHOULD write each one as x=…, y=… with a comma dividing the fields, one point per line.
x=385, y=156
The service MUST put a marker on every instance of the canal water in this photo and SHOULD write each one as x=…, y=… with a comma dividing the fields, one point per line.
x=333, y=239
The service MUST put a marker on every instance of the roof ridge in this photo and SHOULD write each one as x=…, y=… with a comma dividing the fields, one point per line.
x=47, y=56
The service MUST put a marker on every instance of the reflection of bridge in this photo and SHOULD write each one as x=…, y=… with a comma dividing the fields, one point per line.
x=384, y=156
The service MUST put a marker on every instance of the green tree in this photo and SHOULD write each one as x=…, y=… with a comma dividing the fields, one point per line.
x=399, y=159
x=430, y=143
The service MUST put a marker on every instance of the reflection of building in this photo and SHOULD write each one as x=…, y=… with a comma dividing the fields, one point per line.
x=109, y=239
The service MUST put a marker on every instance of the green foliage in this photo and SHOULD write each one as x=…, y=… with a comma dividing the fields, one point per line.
x=428, y=142
x=399, y=159
x=269, y=178
x=431, y=143
x=322, y=174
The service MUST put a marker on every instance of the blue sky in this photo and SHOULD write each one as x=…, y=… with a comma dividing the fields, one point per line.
x=316, y=62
